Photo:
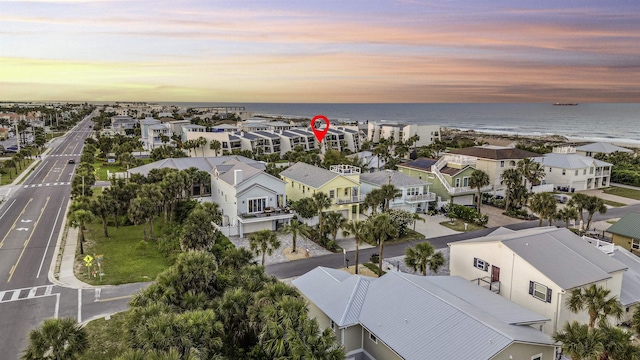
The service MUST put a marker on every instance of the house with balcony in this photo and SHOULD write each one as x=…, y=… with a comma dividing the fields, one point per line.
x=493, y=160
x=402, y=132
x=626, y=232
x=536, y=268
x=304, y=138
x=404, y=316
x=157, y=133
x=600, y=148
x=568, y=171
x=250, y=199
x=119, y=124
x=341, y=183
x=415, y=192
x=259, y=142
x=449, y=177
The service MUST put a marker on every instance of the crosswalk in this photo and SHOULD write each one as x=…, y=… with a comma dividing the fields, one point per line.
x=25, y=293
x=47, y=184
x=64, y=155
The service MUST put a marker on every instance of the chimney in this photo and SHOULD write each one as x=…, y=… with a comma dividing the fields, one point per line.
x=237, y=177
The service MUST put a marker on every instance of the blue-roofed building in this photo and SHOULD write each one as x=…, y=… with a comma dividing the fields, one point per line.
x=411, y=317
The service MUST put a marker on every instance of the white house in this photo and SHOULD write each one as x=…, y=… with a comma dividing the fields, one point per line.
x=537, y=269
x=415, y=192
x=568, y=171
x=402, y=132
x=249, y=198
x=600, y=147
x=411, y=317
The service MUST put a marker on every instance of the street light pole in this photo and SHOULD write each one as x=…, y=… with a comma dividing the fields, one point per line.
x=344, y=256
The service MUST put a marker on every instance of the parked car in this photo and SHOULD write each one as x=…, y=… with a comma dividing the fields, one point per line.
x=561, y=198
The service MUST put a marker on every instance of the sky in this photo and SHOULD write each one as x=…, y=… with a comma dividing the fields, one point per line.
x=321, y=51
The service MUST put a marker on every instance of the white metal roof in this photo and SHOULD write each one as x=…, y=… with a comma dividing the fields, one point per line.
x=569, y=161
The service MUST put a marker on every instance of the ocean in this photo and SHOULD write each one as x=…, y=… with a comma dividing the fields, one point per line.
x=616, y=123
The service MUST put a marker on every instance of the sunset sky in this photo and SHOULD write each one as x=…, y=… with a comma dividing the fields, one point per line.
x=321, y=51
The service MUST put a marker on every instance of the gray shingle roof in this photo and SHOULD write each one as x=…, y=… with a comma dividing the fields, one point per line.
x=226, y=171
x=446, y=317
x=202, y=163
x=385, y=177
x=569, y=161
x=601, y=147
x=495, y=152
x=559, y=254
x=420, y=164
x=630, y=292
x=628, y=225
x=309, y=175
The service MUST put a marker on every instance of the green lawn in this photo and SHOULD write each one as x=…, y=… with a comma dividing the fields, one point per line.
x=624, y=192
x=102, y=170
x=613, y=203
x=121, y=263
x=11, y=173
x=373, y=267
x=458, y=225
x=107, y=338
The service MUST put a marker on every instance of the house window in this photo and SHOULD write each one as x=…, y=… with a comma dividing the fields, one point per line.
x=512, y=163
x=502, y=163
x=564, y=172
x=591, y=171
x=480, y=264
x=373, y=338
x=465, y=181
x=412, y=191
x=333, y=326
x=539, y=291
x=346, y=191
x=576, y=172
x=549, y=169
x=458, y=182
x=584, y=172
x=257, y=205
x=536, y=357
x=635, y=244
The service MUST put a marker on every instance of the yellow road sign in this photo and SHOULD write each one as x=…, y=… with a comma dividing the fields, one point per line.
x=88, y=259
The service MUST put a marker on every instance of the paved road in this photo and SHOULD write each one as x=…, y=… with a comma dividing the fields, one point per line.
x=31, y=219
x=299, y=267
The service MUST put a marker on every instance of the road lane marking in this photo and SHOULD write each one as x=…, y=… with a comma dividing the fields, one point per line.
x=49, y=241
x=15, y=222
x=13, y=269
x=97, y=295
x=79, y=305
x=48, y=291
x=48, y=172
x=10, y=205
x=55, y=312
x=116, y=298
x=15, y=295
x=32, y=292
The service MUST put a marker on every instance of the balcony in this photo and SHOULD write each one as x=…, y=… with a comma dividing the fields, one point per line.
x=486, y=283
x=267, y=215
x=420, y=198
x=350, y=200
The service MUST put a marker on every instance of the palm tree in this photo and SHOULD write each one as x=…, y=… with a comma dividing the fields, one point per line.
x=321, y=201
x=389, y=192
x=374, y=200
x=415, y=217
x=596, y=300
x=617, y=344
x=295, y=228
x=8, y=164
x=102, y=206
x=78, y=219
x=478, y=180
x=215, y=145
x=594, y=204
x=543, y=204
x=198, y=232
x=579, y=202
x=334, y=221
x=359, y=229
x=57, y=339
x=201, y=142
x=263, y=242
x=531, y=170
x=424, y=256
x=383, y=229
x=567, y=213
x=579, y=342
x=511, y=178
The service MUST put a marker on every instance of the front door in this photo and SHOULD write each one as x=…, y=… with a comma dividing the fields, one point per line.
x=495, y=273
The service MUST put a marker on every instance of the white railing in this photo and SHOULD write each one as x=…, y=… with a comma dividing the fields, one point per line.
x=604, y=246
x=419, y=198
x=351, y=200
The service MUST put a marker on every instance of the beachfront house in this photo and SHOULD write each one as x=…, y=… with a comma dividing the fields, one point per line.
x=626, y=232
x=415, y=195
x=567, y=171
x=249, y=199
x=600, y=148
x=341, y=183
x=411, y=317
x=449, y=178
x=402, y=132
x=537, y=269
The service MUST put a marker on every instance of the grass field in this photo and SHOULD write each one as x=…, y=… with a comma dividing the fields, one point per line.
x=121, y=263
x=106, y=338
x=11, y=173
x=624, y=192
x=458, y=225
x=613, y=203
x=101, y=170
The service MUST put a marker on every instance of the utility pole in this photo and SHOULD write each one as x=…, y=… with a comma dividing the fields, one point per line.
x=17, y=135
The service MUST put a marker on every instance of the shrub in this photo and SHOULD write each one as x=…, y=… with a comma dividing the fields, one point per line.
x=374, y=258
x=333, y=246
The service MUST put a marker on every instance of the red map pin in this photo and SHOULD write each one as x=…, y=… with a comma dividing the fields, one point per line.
x=320, y=133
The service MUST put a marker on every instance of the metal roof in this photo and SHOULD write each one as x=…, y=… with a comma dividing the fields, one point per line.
x=267, y=134
x=559, y=254
x=569, y=161
x=202, y=163
x=310, y=175
x=385, y=177
x=601, y=147
x=628, y=225
x=226, y=171
x=630, y=292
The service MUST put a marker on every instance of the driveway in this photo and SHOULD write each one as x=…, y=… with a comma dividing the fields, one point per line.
x=496, y=218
